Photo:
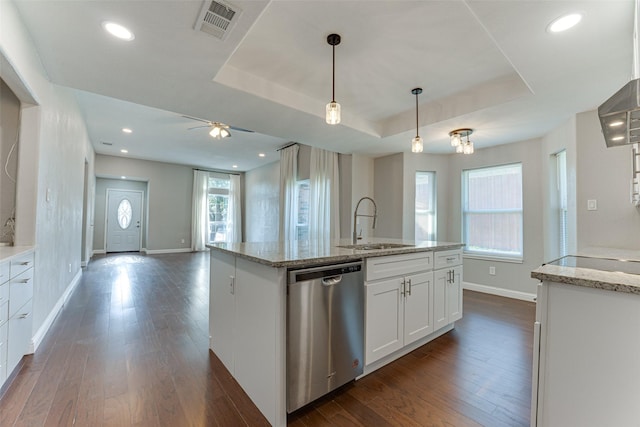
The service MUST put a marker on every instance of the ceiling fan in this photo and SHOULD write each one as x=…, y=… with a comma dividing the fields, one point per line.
x=218, y=130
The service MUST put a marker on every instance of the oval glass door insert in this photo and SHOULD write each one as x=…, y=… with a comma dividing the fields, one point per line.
x=124, y=214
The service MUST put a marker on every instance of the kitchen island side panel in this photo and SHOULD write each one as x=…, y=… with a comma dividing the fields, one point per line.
x=590, y=348
x=256, y=315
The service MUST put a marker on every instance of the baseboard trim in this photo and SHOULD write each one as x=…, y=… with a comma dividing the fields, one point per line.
x=98, y=252
x=167, y=251
x=42, y=331
x=524, y=296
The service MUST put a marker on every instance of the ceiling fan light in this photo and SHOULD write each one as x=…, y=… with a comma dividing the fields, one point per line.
x=215, y=132
x=416, y=145
x=333, y=113
x=455, y=140
x=224, y=133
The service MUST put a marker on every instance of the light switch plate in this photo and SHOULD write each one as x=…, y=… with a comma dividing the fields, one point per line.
x=592, y=205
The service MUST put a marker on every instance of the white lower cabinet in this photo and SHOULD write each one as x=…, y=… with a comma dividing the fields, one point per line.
x=447, y=296
x=16, y=294
x=398, y=313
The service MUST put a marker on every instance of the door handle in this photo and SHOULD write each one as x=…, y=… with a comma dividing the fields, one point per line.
x=330, y=281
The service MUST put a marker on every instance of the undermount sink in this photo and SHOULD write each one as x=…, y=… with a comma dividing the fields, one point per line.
x=372, y=246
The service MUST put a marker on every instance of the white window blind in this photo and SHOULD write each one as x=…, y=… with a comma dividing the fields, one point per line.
x=492, y=211
x=425, y=206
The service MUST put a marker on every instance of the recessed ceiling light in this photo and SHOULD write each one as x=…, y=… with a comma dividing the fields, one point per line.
x=126, y=130
x=616, y=124
x=118, y=31
x=235, y=166
x=123, y=177
x=261, y=155
x=564, y=22
x=617, y=138
x=124, y=151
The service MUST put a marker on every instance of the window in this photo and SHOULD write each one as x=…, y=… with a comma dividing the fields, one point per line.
x=218, y=197
x=561, y=166
x=425, y=206
x=125, y=214
x=302, y=211
x=492, y=211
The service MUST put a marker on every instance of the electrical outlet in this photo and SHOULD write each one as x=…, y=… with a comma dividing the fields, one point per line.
x=592, y=205
x=181, y=240
x=69, y=267
x=492, y=271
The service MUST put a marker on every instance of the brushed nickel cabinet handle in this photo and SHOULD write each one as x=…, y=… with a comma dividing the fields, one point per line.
x=24, y=315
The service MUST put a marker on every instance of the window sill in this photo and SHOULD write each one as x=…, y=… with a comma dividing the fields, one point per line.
x=493, y=258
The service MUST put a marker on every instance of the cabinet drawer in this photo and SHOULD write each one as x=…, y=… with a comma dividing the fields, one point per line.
x=19, y=336
x=21, y=264
x=398, y=265
x=4, y=300
x=445, y=259
x=4, y=272
x=20, y=291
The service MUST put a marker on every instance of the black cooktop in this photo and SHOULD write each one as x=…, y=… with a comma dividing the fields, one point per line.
x=603, y=264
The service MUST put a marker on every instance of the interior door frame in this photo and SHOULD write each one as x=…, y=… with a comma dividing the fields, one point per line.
x=106, y=215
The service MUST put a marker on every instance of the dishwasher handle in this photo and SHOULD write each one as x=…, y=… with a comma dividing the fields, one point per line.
x=324, y=272
x=330, y=281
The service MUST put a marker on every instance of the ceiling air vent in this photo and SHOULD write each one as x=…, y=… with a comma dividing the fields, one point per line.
x=217, y=18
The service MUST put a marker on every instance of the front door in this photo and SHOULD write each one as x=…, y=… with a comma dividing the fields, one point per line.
x=123, y=220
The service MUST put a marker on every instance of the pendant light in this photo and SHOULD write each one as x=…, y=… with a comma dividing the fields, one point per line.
x=416, y=143
x=333, y=108
x=463, y=147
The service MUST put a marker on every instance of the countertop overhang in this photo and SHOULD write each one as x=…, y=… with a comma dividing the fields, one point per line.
x=618, y=281
x=9, y=252
x=301, y=253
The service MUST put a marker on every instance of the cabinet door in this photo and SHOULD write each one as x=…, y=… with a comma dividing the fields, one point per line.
x=19, y=336
x=440, y=285
x=384, y=318
x=222, y=306
x=454, y=295
x=418, y=318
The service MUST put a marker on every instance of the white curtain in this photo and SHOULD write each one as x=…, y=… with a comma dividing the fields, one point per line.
x=288, y=195
x=324, y=199
x=234, y=216
x=200, y=210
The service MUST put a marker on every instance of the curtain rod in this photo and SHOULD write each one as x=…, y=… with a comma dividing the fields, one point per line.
x=287, y=146
x=216, y=171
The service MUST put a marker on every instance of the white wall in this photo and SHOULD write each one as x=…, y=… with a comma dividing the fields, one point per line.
x=388, y=185
x=604, y=174
x=53, y=148
x=561, y=138
x=262, y=203
x=362, y=177
x=169, y=193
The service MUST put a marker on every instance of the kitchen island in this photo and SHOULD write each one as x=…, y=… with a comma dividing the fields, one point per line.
x=413, y=295
x=587, y=340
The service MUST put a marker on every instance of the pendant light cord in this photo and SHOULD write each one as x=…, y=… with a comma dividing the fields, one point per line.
x=333, y=80
x=417, y=133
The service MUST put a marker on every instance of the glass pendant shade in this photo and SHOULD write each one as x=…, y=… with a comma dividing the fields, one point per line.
x=333, y=113
x=459, y=149
x=455, y=140
x=468, y=148
x=416, y=145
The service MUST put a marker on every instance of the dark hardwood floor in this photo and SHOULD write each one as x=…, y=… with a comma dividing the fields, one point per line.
x=130, y=348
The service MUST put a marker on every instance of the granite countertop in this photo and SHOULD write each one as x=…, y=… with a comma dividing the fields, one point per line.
x=8, y=252
x=617, y=281
x=303, y=253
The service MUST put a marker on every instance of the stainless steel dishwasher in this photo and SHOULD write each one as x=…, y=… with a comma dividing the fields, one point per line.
x=325, y=330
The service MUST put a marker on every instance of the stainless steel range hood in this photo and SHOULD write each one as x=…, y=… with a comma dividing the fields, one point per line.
x=620, y=116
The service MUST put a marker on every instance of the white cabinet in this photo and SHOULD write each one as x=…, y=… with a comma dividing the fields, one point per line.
x=398, y=309
x=16, y=294
x=447, y=296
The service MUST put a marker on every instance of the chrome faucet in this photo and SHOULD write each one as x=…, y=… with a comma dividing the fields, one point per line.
x=355, y=217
